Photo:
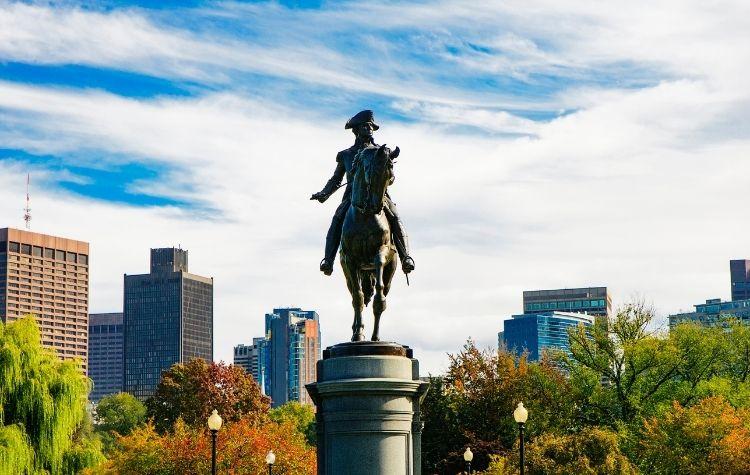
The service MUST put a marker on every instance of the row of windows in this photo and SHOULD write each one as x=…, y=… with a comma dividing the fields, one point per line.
x=105, y=329
x=21, y=260
x=572, y=305
x=45, y=252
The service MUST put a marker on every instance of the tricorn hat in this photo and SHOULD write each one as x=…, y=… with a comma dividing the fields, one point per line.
x=360, y=118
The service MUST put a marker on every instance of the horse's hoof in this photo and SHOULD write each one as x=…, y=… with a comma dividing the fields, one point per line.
x=358, y=337
x=375, y=338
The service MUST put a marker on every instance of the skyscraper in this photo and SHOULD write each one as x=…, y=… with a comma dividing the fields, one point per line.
x=251, y=358
x=168, y=319
x=590, y=300
x=739, y=270
x=105, y=354
x=541, y=332
x=48, y=277
x=293, y=351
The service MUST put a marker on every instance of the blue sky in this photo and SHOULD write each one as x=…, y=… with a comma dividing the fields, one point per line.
x=545, y=144
x=449, y=64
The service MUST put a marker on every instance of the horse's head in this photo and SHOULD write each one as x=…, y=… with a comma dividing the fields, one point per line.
x=378, y=174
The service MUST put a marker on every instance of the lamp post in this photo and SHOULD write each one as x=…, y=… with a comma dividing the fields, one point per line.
x=214, y=424
x=270, y=460
x=468, y=457
x=520, y=415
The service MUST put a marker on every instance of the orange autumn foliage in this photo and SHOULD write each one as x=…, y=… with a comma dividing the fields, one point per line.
x=241, y=450
x=711, y=437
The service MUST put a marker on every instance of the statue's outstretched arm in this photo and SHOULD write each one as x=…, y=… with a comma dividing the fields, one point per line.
x=332, y=185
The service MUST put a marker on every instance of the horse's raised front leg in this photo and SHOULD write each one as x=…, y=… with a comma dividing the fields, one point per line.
x=358, y=298
x=378, y=302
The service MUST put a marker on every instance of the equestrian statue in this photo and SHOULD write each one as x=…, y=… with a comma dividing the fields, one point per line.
x=366, y=225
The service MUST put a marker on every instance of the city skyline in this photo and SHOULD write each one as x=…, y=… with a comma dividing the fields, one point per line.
x=544, y=145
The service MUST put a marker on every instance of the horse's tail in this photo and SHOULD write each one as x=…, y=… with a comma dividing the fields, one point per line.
x=368, y=285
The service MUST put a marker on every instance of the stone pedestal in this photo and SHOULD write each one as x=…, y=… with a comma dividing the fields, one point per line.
x=368, y=396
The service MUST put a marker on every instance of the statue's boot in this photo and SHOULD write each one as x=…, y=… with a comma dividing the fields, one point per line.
x=333, y=239
x=401, y=240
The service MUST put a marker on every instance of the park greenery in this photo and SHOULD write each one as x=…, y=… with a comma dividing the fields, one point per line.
x=170, y=435
x=47, y=428
x=627, y=399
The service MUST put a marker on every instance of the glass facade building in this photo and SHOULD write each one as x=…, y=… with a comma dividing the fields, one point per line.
x=105, y=354
x=251, y=357
x=47, y=277
x=590, y=300
x=714, y=313
x=167, y=319
x=537, y=333
x=293, y=349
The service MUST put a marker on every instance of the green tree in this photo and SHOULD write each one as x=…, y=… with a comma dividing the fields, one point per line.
x=643, y=370
x=121, y=413
x=302, y=416
x=43, y=418
x=592, y=451
x=191, y=390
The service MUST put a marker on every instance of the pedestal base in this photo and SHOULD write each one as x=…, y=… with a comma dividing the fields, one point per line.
x=368, y=396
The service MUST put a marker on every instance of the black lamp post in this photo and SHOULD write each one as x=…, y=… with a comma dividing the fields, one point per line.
x=270, y=460
x=520, y=415
x=214, y=424
x=468, y=457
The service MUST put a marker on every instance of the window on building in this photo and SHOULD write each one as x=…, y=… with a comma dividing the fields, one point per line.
x=60, y=255
x=49, y=253
x=26, y=249
x=83, y=259
x=70, y=256
x=36, y=251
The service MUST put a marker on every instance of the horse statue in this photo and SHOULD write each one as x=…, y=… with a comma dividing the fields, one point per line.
x=368, y=255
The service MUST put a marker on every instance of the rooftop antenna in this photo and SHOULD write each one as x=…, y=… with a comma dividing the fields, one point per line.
x=27, y=209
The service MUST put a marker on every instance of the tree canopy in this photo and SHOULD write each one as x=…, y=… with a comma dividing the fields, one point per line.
x=190, y=391
x=121, y=413
x=644, y=399
x=44, y=425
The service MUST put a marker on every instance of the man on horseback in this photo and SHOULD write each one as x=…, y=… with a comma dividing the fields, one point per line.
x=363, y=125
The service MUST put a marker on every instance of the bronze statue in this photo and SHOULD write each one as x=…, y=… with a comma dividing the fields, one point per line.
x=368, y=220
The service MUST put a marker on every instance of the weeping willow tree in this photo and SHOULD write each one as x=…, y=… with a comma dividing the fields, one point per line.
x=42, y=407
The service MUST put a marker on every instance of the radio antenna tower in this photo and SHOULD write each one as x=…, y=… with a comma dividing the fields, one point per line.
x=27, y=210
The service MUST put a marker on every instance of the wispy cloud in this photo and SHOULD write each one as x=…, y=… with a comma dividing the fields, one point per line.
x=545, y=144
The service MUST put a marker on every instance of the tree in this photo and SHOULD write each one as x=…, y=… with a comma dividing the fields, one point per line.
x=710, y=437
x=43, y=418
x=593, y=451
x=120, y=413
x=473, y=406
x=242, y=446
x=301, y=415
x=191, y=390
x=643, y=370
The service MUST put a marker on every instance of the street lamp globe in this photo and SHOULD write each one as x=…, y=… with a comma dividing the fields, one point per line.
x=520, y=414
x=214, y=421
x=468, y=455
x=270, y=457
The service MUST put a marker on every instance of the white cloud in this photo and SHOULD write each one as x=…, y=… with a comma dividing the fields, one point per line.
x=642, y=190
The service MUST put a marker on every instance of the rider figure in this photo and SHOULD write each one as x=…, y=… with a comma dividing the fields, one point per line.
x=363, y=125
